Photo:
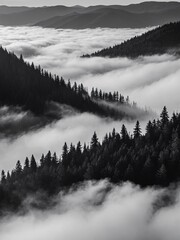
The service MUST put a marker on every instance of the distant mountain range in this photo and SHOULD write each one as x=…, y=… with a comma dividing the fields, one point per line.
x=9, y=10
x=77, y=17
x=164, y=39
x=111, y=18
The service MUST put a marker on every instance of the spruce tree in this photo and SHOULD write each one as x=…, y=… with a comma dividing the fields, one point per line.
x=94, y=141
x=164, y=116
x=137, y=130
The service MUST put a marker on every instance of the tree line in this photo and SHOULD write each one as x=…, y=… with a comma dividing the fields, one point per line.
x=146, y=159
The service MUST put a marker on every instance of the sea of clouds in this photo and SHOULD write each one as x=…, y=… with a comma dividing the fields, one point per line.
x=124, y=212
x=150, y=81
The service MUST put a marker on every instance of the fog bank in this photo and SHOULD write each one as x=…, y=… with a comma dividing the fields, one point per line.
x=150, y=81
x=100, y=211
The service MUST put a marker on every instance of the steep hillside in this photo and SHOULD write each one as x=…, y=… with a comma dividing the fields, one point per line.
x=152, y=159
x=158, y=41
x=33, y=89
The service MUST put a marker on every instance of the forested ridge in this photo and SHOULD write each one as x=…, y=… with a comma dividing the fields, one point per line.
x=163, y=39
x=146, y=159
x=30, y=87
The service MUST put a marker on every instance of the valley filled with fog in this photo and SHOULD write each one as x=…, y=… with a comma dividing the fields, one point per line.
x=60, y=51
x=123, y=189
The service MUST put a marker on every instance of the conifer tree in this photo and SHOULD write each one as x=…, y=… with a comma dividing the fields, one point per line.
x=33, y=164
x=137, y=130
x=94, y=141
x=164, y=116
x=3, y=177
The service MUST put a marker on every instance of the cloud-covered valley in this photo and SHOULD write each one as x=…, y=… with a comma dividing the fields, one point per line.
x=126, y=212
x=147, y=80
x=150, y=81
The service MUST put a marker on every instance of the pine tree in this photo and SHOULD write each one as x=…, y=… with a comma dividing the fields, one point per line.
x=79, y=148
x=137, y=130
x=42, y=160
x=18, y=168
x=26, y=164
x=33, y=164
x=3, y=177
x=124, y=133
x=65, y=154
x=48, y=159
x=92, y=93
x=94, y=141
x=164, y=116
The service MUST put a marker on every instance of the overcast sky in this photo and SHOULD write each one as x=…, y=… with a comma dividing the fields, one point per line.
x=66, y=2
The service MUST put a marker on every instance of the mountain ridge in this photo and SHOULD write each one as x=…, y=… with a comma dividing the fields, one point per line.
x=134, y=15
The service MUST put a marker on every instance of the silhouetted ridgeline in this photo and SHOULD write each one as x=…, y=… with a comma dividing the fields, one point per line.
x=158, y=41
x=32, y=88
x=150, y=159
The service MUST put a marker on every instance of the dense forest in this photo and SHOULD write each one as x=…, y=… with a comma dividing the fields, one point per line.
x=22, y=84
x=161, y=40
x=146, y=159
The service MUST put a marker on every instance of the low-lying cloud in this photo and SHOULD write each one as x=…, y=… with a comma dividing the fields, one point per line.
x=70, y=129
x=100, y=211
x=150, y=81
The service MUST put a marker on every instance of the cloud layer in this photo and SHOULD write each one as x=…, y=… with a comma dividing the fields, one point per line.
x=150, y=80
x=94, y=211
x=70, y=129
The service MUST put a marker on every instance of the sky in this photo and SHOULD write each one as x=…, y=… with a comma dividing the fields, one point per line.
x=67, y=2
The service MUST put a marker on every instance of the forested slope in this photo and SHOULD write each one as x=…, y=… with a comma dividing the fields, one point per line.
x=164, y=39
x=32, y=88
x=149, y=159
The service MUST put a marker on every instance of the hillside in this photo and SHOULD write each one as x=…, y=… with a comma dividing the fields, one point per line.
x=148, y=160
x=33, y=89
x=165, y=39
